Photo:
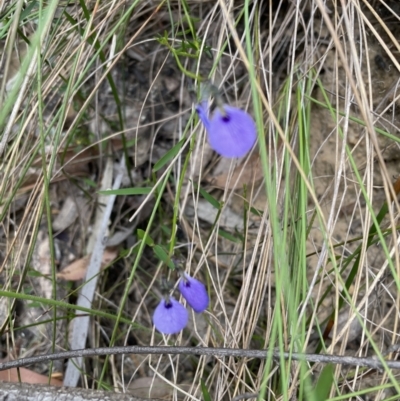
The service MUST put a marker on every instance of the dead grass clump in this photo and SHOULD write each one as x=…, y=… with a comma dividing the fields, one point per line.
x=297, y=242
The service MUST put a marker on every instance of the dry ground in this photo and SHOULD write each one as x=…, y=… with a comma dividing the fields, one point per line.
x=232, y=250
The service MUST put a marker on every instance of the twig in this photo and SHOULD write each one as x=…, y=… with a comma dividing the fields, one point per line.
x=371, y=362
x=81, y=328
x=35, y=392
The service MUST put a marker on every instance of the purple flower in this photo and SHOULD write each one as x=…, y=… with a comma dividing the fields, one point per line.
x=170, y=317
x=231, y=131
x=194, y=292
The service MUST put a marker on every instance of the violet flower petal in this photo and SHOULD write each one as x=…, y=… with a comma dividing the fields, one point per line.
x=232, y=134
x=170, y=317
x=194, y=292
x=202, y=111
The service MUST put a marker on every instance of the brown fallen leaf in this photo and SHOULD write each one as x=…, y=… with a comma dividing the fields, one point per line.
x=27, y=376
x=242, y=174
x=77, y=269
x=109, y=255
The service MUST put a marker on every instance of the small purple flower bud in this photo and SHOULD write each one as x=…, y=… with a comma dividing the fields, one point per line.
x=194, y=292
x=170, y=317
x=231, y=131
x=202, y=111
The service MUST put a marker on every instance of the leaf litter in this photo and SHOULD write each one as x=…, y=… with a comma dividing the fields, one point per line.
x=157, y=107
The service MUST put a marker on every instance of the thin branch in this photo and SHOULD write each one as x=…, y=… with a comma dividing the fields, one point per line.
x=35, y=392
x=371, y=362
x=86, y=296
